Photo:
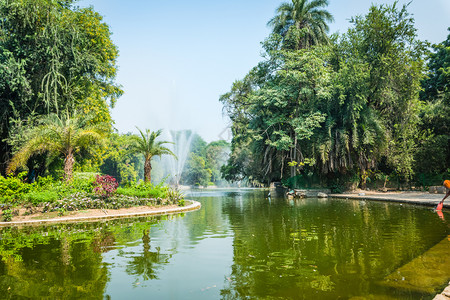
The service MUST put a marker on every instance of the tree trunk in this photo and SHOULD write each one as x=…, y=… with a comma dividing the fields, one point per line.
x=68, y=166
x=148, y=170
x=363, y=179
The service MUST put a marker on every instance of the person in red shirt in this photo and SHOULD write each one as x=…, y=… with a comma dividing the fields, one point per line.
x=441, y=204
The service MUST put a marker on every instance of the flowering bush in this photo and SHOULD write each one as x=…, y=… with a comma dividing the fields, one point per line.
x=105, y=186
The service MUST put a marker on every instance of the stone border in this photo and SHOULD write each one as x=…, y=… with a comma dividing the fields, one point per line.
x=399, y=198
x=194, y=205
x=445, y=295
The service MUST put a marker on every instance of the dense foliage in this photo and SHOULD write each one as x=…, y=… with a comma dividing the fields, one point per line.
x=15, y=190
x=119, y=161
x=342, y=112
x=85, y=191
x=54, y=58
x=59, y=136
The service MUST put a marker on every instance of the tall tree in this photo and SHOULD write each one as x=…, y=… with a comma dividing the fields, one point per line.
x=302, y=23
x=386, y=41
x=433, y=155
x=53, y=57
x=438, y=77
x=331, y=110
x=147, y=145
x=59, y=136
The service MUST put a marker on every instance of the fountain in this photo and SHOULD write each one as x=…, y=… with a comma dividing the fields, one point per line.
x=182, y=145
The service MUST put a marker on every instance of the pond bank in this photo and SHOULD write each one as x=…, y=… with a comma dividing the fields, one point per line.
x=103, y=214
x=418, y=198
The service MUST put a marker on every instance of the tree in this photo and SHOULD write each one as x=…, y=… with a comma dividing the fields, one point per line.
x=197, y=173
x=438, y=79
x=147, y=145
x=119, y=161
x=53, y=57
x=302, y=23
x=60, y=136
x=433, y=155
x=216, y=155
x=330, y=110
x=386, y=41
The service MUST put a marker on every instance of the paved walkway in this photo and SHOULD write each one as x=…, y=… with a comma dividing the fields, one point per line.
x=418, y=198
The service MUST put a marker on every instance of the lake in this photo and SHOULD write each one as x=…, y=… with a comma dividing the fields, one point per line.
x=239, y=245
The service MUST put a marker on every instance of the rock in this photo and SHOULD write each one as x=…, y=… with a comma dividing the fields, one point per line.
x=322, y=195
x=300, y=193
x=446, y=291
x=441, y=190
x=445, y=295
x=437, y=189
x=440, y=297
x=361, y=194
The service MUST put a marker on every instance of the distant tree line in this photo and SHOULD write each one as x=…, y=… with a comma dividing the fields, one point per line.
x=342, y=110
x=202, y=165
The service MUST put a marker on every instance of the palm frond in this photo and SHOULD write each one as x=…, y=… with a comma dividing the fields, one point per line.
x=58, y=135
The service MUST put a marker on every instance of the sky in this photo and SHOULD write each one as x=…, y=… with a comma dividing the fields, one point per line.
x=177, y=57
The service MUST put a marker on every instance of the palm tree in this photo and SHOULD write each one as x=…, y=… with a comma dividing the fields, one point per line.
x=302, y=23
x=149, y=147
x=65, y=136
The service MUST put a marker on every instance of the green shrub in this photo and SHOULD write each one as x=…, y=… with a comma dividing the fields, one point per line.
x=86, y=176
x=46, y=189
x=150, y=193
x=61, y=211
x=7, y=215
x=81, y=201
x=46, y=182
x=144, y=190
x=176, y=197
x=37, y=197
x=13, y=188
x=83, y=184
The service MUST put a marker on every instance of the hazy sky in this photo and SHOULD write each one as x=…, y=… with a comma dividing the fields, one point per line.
x=177, y=57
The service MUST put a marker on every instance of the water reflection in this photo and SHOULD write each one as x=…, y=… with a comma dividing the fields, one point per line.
x=239, y=245
x=66, y=261
x=144, y=265
x=325, y=249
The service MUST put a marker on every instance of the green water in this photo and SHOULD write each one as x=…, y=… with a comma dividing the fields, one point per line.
x=240, y=245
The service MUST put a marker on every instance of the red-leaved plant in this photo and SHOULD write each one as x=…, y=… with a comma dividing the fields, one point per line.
x=105, y=186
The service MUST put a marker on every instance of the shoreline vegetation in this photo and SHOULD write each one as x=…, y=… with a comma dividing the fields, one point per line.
x=92, y=215
x=86, y=192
